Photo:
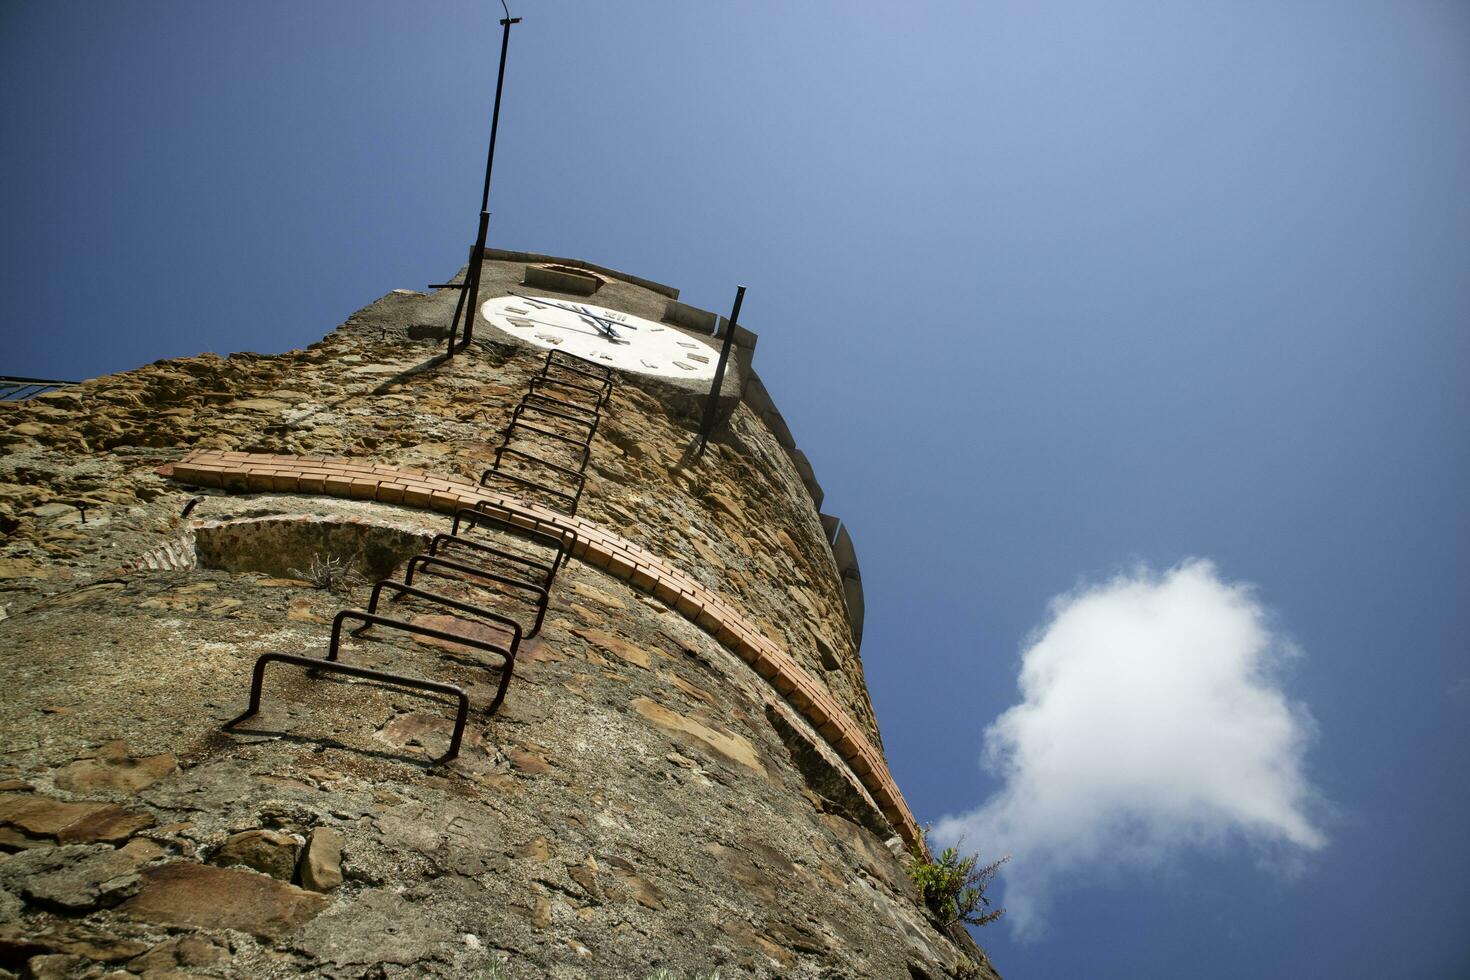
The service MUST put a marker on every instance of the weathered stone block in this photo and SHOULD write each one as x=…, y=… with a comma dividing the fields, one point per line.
x=184, y=894
x=321, y=861
x=267, y=851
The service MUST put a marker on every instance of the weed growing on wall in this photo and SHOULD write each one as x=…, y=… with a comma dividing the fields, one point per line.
x=330, y=572
x=953, y=887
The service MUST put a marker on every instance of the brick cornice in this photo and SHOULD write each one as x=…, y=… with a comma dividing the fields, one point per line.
x=342, y=477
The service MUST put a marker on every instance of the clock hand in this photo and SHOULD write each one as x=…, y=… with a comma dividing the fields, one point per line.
x=602, y=323
x=607, y=331
x=553, y=326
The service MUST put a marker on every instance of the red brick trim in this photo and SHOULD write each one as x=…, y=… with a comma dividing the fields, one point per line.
x=341, y=477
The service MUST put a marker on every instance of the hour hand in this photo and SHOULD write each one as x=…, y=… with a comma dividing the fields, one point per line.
x=604, y=328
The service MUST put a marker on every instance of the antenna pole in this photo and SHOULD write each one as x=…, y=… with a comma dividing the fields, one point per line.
x=469, y=296
x=707, y=425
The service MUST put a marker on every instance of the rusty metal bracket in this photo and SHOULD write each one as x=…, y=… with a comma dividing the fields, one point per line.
x=526, y=405
x=587, y=416
x=570, y=498
x=595, y=411
x=542, y=381
x=443, y=600
x=571, y=362
x=257, y=681
x=577, y=477
x=548, y=572
x=373, y=619
x=579, y=368
x=503, y=451
x=427, y=563
x=515, y=627
x=478, y=517
x=574, y=377
x=564, y=541
x=585, y=447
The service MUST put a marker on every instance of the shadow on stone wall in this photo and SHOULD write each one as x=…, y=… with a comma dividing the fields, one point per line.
x=286, y=547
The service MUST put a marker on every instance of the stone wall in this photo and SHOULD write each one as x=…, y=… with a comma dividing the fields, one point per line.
x=647, y=797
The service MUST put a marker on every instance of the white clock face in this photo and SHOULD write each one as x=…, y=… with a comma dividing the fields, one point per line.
x=605, y=336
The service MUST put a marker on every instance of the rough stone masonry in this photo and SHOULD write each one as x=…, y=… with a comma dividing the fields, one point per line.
x=653, y=799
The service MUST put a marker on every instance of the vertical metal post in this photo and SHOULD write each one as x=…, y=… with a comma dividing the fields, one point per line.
x=469, y=296
x=707, y=424
x=495, y=114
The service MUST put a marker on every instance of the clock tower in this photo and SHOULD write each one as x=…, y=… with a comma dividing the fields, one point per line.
x=367, y=661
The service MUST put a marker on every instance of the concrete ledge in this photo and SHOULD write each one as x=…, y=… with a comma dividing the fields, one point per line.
x=851, y=578
x=562, y=280
x=684, y=315
x=503, y=255
x=707, y=323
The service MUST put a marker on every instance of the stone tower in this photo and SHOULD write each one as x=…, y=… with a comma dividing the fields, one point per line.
x=684, y=775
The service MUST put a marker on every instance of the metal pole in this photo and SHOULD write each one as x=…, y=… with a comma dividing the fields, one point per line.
x=469, y=297
x=459, y=304
x=495, y=114
x=707, y=425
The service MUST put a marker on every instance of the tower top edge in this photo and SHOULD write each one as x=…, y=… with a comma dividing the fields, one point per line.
x=511, y=255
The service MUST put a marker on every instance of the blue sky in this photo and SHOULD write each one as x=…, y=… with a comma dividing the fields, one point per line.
x=1049, y=292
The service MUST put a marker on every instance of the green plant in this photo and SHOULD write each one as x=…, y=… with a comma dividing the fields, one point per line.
x=952, y=887
x=967, y=969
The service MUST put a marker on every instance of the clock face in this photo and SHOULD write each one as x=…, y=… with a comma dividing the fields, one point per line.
x=605, y=336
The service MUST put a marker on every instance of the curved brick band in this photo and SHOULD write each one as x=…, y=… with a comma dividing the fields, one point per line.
x=336, y=477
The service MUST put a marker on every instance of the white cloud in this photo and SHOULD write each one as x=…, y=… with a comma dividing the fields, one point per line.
x=1151, y=723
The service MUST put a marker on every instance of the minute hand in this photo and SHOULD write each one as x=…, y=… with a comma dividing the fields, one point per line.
x=602, y=323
